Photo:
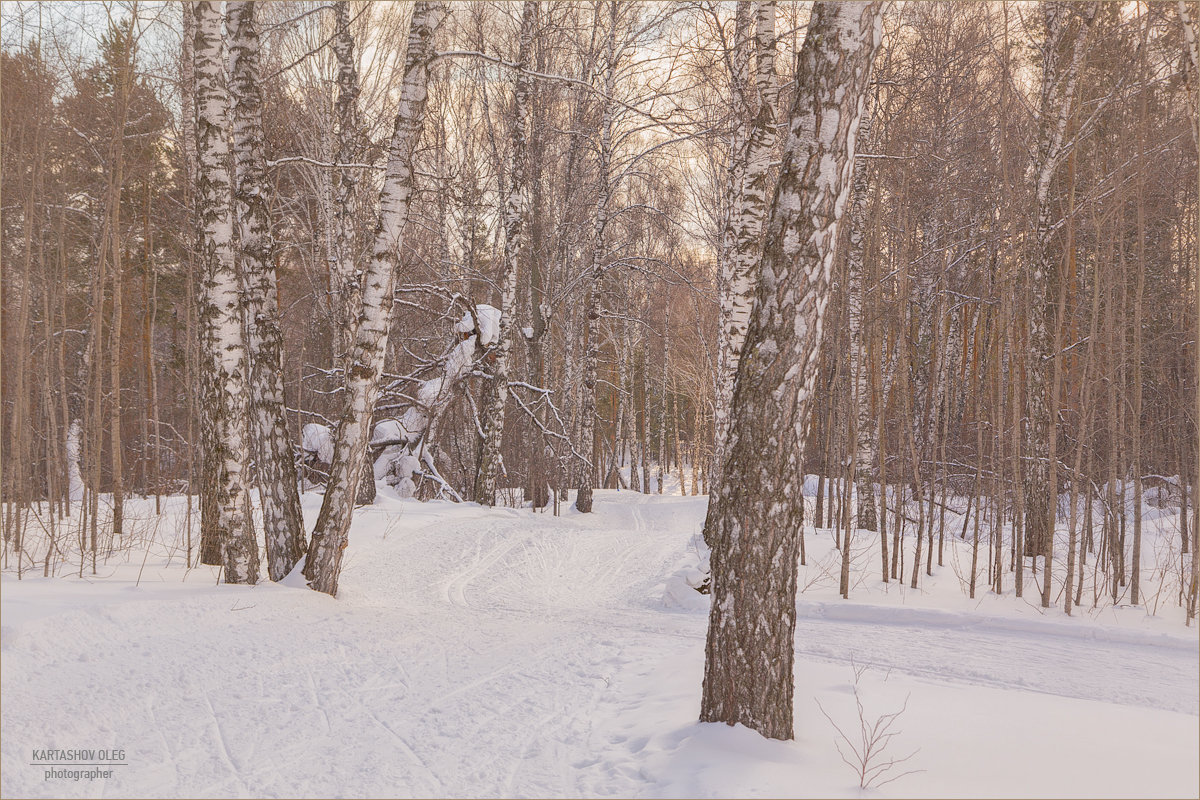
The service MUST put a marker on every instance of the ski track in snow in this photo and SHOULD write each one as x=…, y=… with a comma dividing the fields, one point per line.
x=471, y=652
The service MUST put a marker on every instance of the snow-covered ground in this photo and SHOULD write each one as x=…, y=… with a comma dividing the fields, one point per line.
x=500, y=652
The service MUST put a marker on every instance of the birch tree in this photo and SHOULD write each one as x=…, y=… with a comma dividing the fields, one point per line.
x=515, y=208
x=220, y=306
x=1193, y=52
x=210, y=547
x=365, y=359
x=282, y=521
x=1193, y=49
x=863, y=436
x=125, y=44
x=727, y=290
x=752, y=523
x=590, y=476
x=345, y=277
x=752, y=145
x=621, y=155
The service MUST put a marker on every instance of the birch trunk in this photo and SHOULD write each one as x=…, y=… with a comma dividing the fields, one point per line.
x=863, y=438
x=122, y=90
x=540, y=456
x=1194, y=590
x=198, y=368
x=741, y=114
x=753, y=520
x=752, y=148
x=1087, y=405
x=365, y=359
x=343, y=258
x=644, y=425
x=220, y=307
x=1193, y=51
x=346, y=297
x=587, y=428
x=1135, y=566
x=283, y=524
x=74, y=475
x=514, y=218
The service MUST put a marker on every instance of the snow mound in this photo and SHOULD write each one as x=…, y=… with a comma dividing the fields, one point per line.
x=318, y=438
x=679, y=594
x=682, y=590
x=460, y=358
x=402, y=468
x=430, y=392
x=396, y=463
x=415, y=419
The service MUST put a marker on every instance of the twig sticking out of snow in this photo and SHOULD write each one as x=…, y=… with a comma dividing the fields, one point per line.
x=868, y=756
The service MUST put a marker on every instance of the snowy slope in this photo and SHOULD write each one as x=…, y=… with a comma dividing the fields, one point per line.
x=500, y=652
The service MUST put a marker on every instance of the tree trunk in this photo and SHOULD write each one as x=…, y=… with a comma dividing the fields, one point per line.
x=1193, y=51
x=220, y=307
x=197, y=366
x=514, y=219
x=753, y=519
x=1135, y=566
x=735, y=296
x=344, y=278
x=1086, y=404
x=116, y=330
x=587, y=429
x=863, y=430
x=751, y=150
x=283, y=524
x=365, y=359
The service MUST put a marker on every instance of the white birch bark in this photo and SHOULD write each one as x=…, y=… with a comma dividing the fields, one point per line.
x=515, y=210
x=573, y=466
x=590, y=477
x=365, y=359
x=750, y=160
x=283, y=524
x=343, y=194
x=741, y=113
x=220, y=306
x=346, y=296
x=865, y=442
x=210, y=546
x=75, y=487
x=753, y=520
x=1193, y=51
x=644, y=428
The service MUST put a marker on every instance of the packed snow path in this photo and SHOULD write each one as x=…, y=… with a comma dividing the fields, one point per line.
x=477, y=652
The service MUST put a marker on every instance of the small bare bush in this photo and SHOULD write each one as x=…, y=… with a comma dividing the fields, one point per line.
x=868, y=753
